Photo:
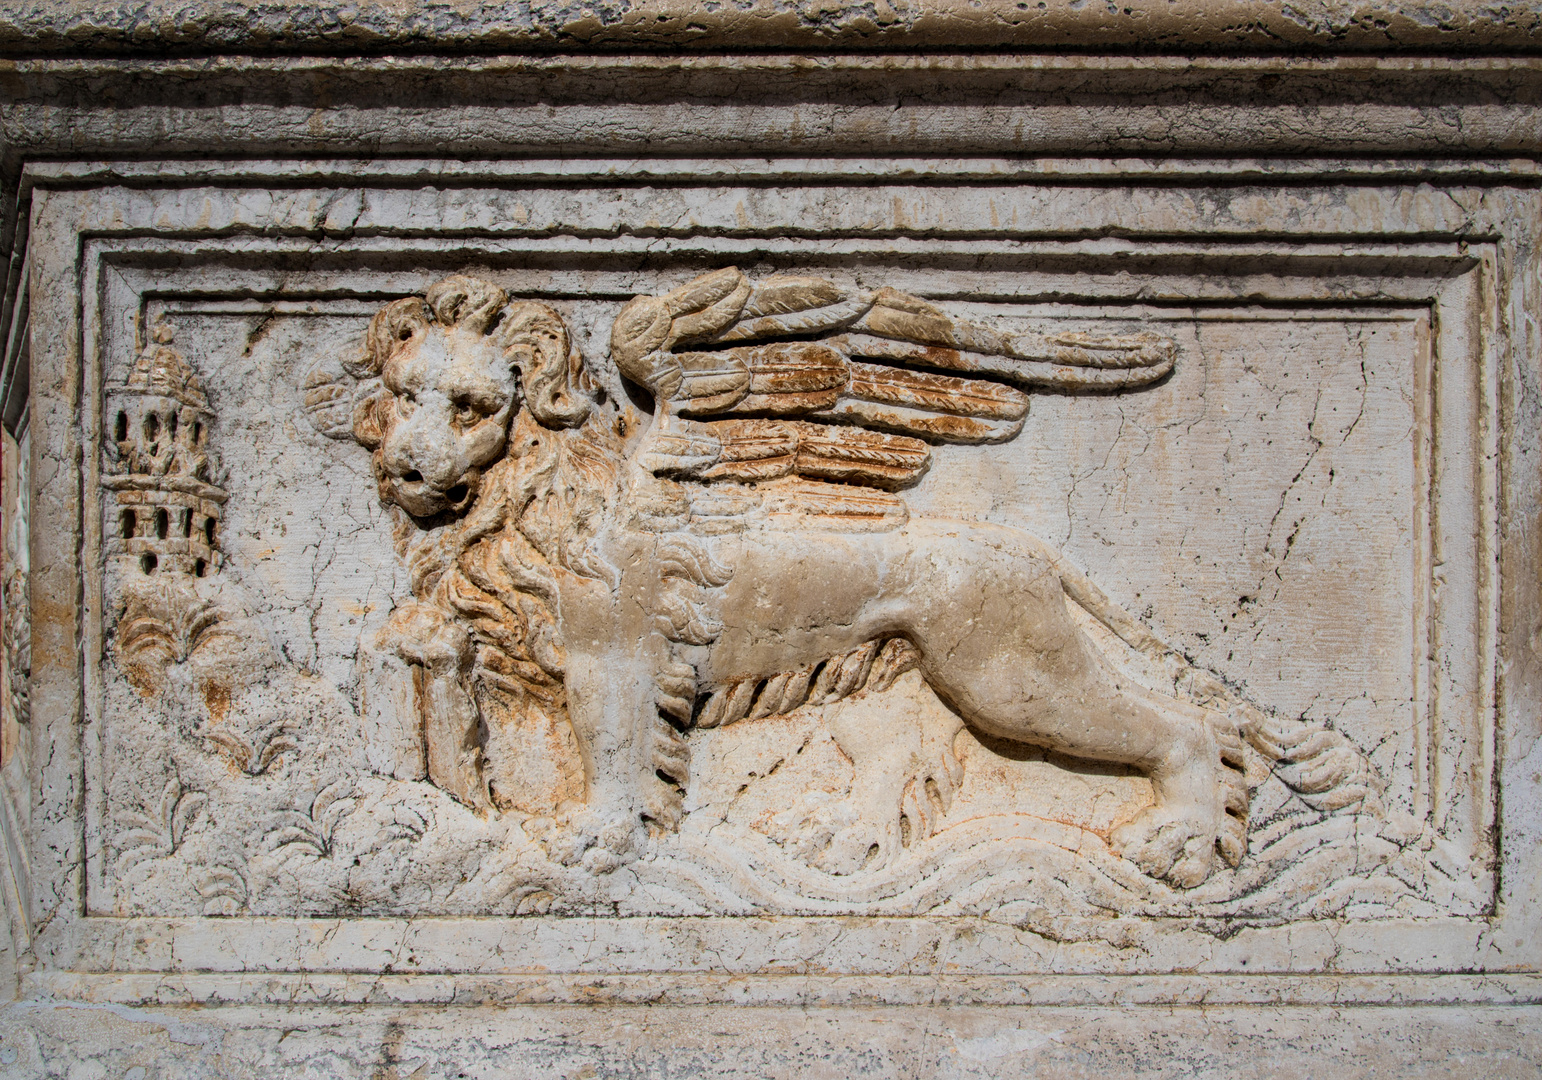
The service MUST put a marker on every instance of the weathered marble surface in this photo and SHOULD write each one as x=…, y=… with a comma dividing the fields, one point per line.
x=1175, y=26
x=275, y=800
x=1253, y=1042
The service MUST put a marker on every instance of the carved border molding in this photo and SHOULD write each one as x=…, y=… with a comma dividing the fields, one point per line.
x=1140, y=26
x=144, y=244
x=953, y=103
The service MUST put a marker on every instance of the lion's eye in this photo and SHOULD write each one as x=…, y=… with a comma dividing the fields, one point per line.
x=465, y=414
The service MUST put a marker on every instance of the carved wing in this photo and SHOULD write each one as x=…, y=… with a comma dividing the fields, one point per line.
x=802, y=378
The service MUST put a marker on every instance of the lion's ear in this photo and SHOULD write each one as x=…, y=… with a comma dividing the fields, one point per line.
x=393, y=324
x=328, y=401
x=371, y=413
x=537, y=342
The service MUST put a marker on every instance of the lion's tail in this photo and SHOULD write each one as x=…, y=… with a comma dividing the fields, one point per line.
x=1317, y=763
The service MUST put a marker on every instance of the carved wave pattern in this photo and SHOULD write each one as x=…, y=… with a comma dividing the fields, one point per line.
x=1018, y=867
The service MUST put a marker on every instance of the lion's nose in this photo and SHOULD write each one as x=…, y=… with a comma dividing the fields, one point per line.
x=419, y=452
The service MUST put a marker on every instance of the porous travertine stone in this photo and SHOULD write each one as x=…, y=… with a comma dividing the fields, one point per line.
x=79, y=27
x=640, y=560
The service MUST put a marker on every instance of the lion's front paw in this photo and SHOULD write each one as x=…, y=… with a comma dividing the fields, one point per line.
x=422, y=634
x=599, y=843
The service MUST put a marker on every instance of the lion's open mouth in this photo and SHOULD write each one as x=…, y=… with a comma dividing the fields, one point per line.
x=422, y=501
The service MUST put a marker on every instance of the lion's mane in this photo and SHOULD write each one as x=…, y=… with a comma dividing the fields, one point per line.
x=538, y=509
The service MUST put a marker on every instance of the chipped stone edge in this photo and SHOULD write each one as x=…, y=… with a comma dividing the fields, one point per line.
x=213, y=27
x=209, y=989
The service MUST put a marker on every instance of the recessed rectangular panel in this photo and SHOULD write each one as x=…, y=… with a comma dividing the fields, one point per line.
x=1245, y=541
x=465, y=589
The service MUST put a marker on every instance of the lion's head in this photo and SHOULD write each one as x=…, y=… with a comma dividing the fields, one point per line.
x=454, y=367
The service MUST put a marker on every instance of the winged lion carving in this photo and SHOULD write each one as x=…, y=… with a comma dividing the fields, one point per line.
x=749, y=551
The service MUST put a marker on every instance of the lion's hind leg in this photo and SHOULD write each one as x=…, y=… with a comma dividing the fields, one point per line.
x=1019, y=667
x=900, y=745
x=1200, y=810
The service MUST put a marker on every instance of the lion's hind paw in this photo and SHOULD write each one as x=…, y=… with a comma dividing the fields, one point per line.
x=829, y=834
x=1201, y=812
x=1169, y=844
x=1232, y=834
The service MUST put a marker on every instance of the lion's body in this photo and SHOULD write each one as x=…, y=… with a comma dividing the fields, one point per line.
x=561, y=593
x=550, y=586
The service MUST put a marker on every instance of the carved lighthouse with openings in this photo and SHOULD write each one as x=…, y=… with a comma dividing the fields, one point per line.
x=161, y=467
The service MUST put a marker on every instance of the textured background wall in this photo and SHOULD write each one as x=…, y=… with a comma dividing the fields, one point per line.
x=225, y=851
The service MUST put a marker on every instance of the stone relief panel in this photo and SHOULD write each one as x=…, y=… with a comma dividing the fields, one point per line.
x=781, y=592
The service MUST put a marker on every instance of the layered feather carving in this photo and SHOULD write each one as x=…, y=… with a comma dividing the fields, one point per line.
x=864, y=365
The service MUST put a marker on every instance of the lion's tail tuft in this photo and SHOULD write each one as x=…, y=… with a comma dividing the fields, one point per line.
x=1315, y=762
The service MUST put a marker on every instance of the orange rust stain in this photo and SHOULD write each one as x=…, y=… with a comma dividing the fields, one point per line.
x=144, y=678
x=217, y=697
x=937, y=356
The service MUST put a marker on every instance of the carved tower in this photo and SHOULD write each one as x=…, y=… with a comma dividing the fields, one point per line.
x=161, y=467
